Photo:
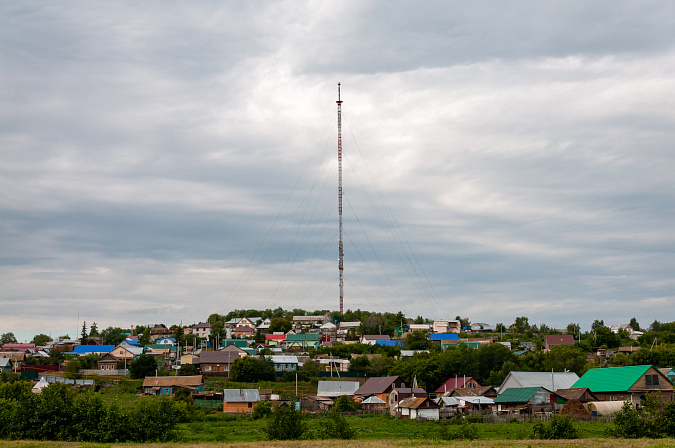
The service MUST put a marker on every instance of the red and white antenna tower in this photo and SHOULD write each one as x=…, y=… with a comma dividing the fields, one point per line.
x=341, y=254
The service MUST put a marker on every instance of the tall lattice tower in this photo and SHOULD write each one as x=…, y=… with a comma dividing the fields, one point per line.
x=340, y=251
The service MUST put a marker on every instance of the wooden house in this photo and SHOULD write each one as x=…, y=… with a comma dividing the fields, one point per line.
x=626, y=383
x=217, y=363
x=106, y=363
x=240, y=400
x=414, y=408
x=379, y=387
x=458, y=382
x=168, y=385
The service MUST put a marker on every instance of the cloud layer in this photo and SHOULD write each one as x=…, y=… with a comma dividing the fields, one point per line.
x=163, y=161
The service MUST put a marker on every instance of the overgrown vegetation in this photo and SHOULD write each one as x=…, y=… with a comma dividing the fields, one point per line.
x=558, y=427
x=59, y=413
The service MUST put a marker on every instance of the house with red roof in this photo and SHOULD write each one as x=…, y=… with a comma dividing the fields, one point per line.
x=458, y=382
x=557, y=339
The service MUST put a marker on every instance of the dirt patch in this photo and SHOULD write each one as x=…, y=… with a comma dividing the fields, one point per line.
x=575, y=407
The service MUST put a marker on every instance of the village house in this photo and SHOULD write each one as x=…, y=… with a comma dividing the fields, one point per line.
x=302, y=341
x=446, y=326
x=372, y=339
x=107, y=363
x=216, y=363
x=458, y=382
x=243, y=331
x=626, y=383
x=240, y=400
x=126, y=351
x=168, y=385
x=550, y=380
x=525, y=399
x=284, y=363
x=414, y=408
x=399, y=394
x=557, y=339
x=379, y=387
x=308, y=321
x=6, y=365
x=159, y=331
x=201, y=330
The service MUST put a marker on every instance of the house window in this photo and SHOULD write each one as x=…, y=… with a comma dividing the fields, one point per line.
x=207, y=368
x=652, y=380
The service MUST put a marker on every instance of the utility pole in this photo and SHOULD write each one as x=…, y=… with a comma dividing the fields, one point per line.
x=340, y=252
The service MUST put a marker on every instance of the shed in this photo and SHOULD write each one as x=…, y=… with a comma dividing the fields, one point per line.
x=240, y=400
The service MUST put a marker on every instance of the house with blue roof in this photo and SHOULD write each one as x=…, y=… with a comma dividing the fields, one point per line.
x=83, y=350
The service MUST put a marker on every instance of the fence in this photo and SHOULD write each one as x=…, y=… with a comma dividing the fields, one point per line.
x=117, y=372
x=58, y=379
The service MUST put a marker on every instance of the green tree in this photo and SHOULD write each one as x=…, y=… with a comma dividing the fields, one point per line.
x=573, y=328
x=337, y=427
x=252, y=370
x=7, y=338
x=521, y=324
x=112, y=336
x=83, y=339
x=41, y=339
x=144, y=338
x=280, y=325
x=311, y=369
x=188, y=370
x=566, y=357
x=359, y=364
x=634, y=324
x=597, y=324
x=93, y=330
x=142, y=366
x=286, y=423
x=417, y=340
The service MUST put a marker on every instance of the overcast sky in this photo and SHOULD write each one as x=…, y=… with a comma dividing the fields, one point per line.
x=162, y=161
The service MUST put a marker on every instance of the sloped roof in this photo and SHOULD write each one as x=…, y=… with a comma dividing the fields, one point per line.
x=283, y=359
x=517, y=394
x=82, y=349
x=473, y=391
x=478, y=400
x=454, y=383
x=222, y=356
x=168, y=381
x=337, y=388
x=549, y=380
x=373, y=400
x=5, y=362
x=611, y=379
x=582, y=394
x=378, y=385
x=241, y=395
x=559, y=339
x=414, y=403
x=444, y=337
x=376, y=337
x=447, y=401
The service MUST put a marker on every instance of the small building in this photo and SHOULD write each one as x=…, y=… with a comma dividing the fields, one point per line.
x=549, y=380
x=218, y=363
x=399, y=394
x=106, y=363
x=379, y=387
x=458, y=382
x=440, y=338
x=483, y=391
x=6, y=365
x=284, y=363
x=557, y=339
x=372, y=339
x=529, y=399
x=127, y=351
x=240, y=400
x=302, y=341
x=275, y=340
x=243, y=331
x=201, y=330
x=168, y=385
x=446, y=326
x=373, y=405
x=422, y=407
x=334, y=389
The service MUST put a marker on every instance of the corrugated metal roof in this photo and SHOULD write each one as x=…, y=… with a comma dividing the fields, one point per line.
x=478, y=400
x=167, y=381
x=81, y=349
x=283, y=359
x=444, y=337
x=550, y=380
x=377, y=385
x=516, y=395
x=337, y=388
x=241, y=395
x=373, y=400
x=447, y=401
x=611, y=379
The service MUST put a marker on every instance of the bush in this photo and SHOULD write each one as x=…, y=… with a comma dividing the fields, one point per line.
x=285, y=424
x=558, y=427
x=261, y=410
x=627, y=422
x=458, y=430
x=345, y=403
x=337, y=427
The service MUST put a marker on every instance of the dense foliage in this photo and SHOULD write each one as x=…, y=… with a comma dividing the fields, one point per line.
x=252, y=370
x=142, y=366
x=558, y=427
x=59, y=413
x=285, y=423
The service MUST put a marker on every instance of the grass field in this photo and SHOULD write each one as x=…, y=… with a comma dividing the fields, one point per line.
x=579, y=443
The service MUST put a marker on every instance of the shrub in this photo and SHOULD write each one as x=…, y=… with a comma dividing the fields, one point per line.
x=461, y=430
x=558, y=427
x=627, y=422
x=337, y=427
x=345, y=403
x=285, y=424
x=261, y=410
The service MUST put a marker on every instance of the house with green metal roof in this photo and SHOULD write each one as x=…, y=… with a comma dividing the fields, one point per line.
x=302, y=341
x=626, y=383
x=530, y=399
